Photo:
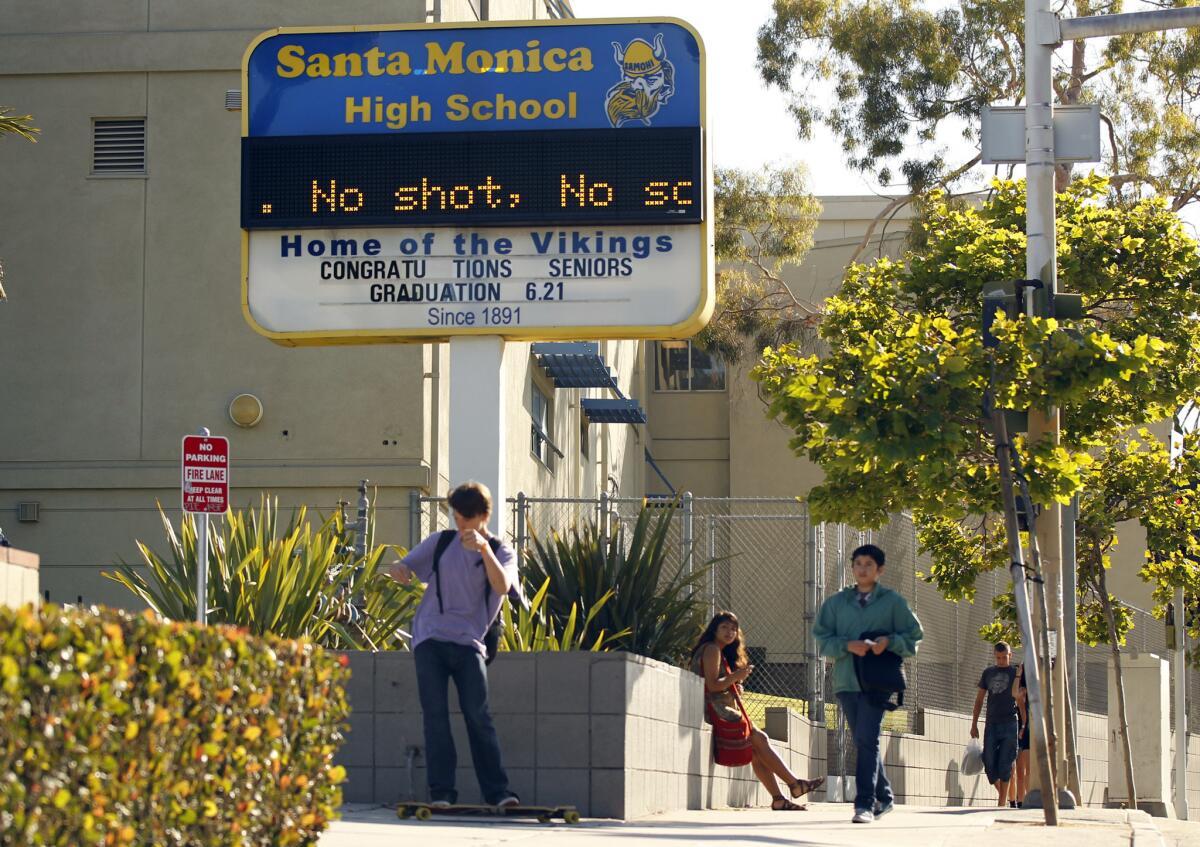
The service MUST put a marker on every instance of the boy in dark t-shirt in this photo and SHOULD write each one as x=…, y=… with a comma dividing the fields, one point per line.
x=1002, y=724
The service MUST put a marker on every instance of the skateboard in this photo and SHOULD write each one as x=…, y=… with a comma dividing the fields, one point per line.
x=543, y=814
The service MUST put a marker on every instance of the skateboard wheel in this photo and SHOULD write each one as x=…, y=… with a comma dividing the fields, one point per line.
x=571, y=816
x=403, y=813
x=543, y=819
x=424, y=814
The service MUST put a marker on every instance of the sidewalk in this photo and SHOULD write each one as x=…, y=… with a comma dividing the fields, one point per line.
x=823, y=824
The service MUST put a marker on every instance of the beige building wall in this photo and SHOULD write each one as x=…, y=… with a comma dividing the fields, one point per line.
x=124, y=331
x=18, y=577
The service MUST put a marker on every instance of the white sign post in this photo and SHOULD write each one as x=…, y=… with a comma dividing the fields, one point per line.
x=205, y=490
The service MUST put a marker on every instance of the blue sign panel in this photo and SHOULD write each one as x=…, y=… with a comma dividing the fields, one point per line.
x=404, y=81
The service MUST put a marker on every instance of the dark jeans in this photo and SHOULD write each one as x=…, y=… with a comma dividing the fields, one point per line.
x=865, y=720
x=437, y=663
x=999, y=750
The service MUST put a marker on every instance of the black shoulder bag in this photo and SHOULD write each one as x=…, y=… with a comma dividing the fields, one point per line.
x=881, y=676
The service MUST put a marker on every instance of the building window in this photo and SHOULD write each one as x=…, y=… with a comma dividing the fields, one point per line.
x=584, y=434
x=119, y=146
x=542, y=426
x=682, y=366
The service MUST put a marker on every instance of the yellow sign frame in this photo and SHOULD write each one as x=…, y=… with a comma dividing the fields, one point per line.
x=684, y=329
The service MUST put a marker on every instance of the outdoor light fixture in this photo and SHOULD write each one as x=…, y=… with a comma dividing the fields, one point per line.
x=245, y=410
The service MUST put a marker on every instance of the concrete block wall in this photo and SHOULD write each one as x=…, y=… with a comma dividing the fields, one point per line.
x=614, y=734
x=18, y=577
x=924, y=768
x=623, y=736
x=1193, y=775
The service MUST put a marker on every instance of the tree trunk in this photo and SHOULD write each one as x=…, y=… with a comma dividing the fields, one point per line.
x=1126, y=747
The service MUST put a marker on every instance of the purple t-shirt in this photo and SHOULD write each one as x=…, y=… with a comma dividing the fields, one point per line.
x=464, y=617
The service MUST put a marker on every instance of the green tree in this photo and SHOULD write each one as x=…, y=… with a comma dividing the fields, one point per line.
x=765, y=220
x=892, y=411
x=893, y=79
x=18, y=125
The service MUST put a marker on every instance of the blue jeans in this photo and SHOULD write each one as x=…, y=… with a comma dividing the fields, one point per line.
x=999, y=750
x=865, y=720
x=437, y=663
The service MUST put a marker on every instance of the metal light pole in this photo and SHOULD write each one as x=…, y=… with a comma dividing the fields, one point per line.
x=1044, y=32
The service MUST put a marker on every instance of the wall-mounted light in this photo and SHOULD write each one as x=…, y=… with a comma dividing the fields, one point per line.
x=245, y=410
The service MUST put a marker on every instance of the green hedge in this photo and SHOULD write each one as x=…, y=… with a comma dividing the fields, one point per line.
x=118, y=729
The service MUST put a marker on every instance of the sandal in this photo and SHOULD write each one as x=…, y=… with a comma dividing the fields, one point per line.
x=779, y=803
x=802, y=786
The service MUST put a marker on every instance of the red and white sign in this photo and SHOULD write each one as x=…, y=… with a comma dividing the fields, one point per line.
x=205, y=474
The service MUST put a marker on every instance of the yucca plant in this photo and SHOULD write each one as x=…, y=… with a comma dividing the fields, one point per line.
x=659, y=608
x=532, y=630
x=302, y=581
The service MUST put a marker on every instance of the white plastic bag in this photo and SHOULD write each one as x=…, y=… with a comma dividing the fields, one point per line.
x=972, y=758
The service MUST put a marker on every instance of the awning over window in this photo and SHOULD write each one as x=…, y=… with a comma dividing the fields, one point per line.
x=574, y=364
x=613, y=411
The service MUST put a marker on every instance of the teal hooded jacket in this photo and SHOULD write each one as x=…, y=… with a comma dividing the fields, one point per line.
x=842, y=620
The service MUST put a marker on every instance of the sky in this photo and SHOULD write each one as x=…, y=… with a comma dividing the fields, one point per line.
x=749, y=123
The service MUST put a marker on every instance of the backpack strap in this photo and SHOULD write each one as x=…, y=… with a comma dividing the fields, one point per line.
x=494, y=543
x=515, y=594
x=444, y=538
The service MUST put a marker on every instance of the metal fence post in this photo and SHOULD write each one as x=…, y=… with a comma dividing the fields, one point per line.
x=810, y=612
x=687, y=535
x=604, y=517
x=818, y=710
x=521, y=527
x=414, y=518
x=712, y=570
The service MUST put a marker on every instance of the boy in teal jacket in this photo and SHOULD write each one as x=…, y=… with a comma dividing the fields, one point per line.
x=865, y=607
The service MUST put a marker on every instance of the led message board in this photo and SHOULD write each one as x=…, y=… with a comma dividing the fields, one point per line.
x=533, y=180
x=556, y=176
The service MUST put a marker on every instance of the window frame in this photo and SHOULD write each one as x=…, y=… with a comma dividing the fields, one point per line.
x=690, y=374
x=541, y=432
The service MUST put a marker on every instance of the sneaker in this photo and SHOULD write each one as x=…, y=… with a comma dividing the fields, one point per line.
x=441, y=804
x=508, y=800
x=863, y=816
x=882, y=809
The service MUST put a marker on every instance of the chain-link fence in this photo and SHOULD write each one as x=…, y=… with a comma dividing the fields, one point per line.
x=773, y=568
x=761, y=550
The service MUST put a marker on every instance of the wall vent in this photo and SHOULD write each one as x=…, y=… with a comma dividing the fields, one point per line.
x=119, y=146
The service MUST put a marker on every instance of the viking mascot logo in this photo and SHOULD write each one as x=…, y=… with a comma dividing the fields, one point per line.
x=647, y=82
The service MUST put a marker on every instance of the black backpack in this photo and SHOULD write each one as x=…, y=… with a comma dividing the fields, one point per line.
x=881, y=676
x=491, y=638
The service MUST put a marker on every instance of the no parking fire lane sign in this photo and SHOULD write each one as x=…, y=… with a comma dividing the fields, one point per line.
x=205, y=474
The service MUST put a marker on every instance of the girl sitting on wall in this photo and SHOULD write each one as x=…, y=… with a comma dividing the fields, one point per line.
x=720, y=658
